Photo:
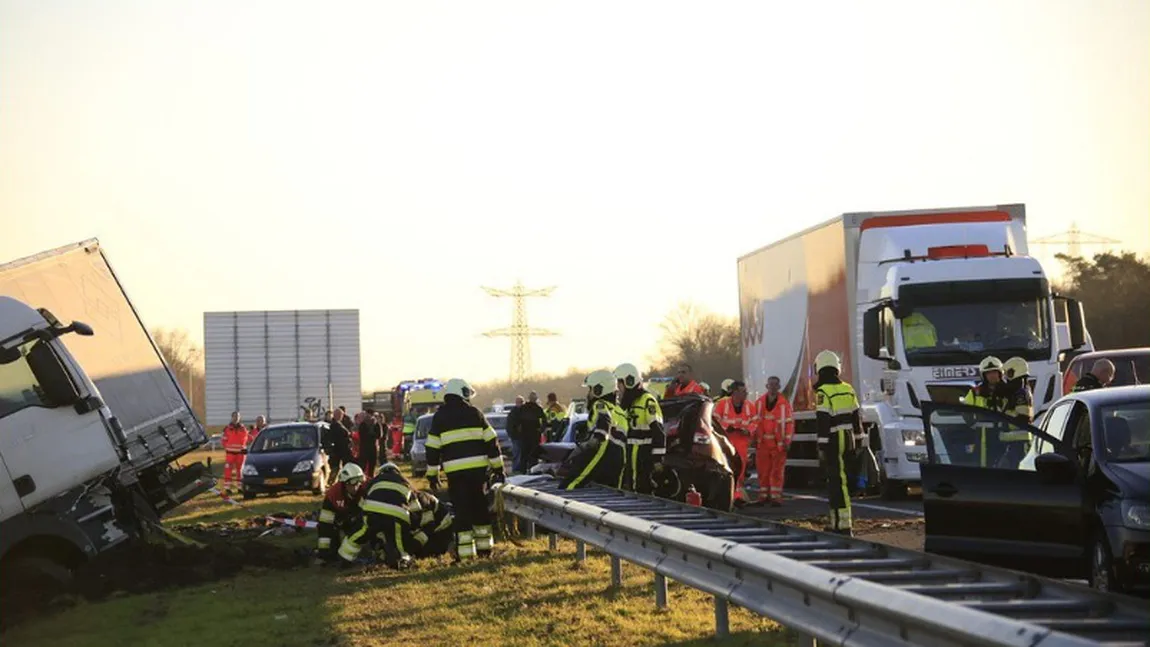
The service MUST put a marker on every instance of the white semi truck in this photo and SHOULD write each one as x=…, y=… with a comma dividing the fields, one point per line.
x=91, y=417
x=960, y=280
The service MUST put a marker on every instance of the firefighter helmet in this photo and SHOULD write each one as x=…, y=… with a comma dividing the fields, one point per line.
x=706, y=387
x=629, y=373
x=389, y=467
x=601, y=382
x=351, y=472
x=725, y=387
x=460, y=387
x=989, y=364
x=1015, y=367
x=828, y=359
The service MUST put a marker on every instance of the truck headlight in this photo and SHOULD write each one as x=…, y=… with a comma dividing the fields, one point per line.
x=250, y=470
x=1136, y=515
x=304, y=465
x=912, y=437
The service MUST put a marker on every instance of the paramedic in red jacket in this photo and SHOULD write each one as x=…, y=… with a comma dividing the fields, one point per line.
x=235, y=444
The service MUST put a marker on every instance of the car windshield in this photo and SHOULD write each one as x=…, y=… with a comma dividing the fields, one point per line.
x=498, y=421
x=1126, y=432
x=1130, y=369
x=285, y=439
x=954, y=323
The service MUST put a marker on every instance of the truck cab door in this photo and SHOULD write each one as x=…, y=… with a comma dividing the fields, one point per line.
x=982, y=503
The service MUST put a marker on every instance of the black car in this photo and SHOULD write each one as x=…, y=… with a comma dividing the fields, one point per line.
x=285, y=457
x=1071, y=499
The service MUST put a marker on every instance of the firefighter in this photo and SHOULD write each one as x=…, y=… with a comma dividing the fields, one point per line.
x=339, y=511
x=235, y=437
x=386, y=519
x=556, y=413
x=1020, y=407
x=738, y=420
x=837, y=417
x=646, y=436
x=465, y=448
x=990, y=393
x=603, y=457
x=431, y=526
x=683, y=384
x=772, y=442
x=724, y=390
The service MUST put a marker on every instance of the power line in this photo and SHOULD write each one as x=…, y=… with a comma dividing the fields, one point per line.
x=1074, y=238
x=519, y=332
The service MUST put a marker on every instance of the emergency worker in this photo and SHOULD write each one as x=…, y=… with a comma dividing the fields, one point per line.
x=386, y=519
x=431, y=526
x=646, y=436
x=601, y=458
x=556, y=413
x=1020, y=407
x=990, y=393
x=235, y=440
x=724, y=390
x=339, y=512
x=261, y=423
x=837, y=417
x=409, y=419
x=683, y=384
x=463, y=445
x=776, y=429
x=738, y=419
x=918, y=332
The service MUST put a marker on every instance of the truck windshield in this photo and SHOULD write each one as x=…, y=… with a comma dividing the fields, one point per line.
x=961, y=322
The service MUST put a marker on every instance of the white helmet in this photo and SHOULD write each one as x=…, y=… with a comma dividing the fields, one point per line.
x=706, y=387
x=989, y=364
x=1015, y=367
x=726, y=385
x=460, y=387
x=601, y=383
x=629, y=373
x=828, y=359
x=351, y=472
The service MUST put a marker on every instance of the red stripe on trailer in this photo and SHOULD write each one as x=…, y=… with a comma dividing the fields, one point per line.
x=933, y=219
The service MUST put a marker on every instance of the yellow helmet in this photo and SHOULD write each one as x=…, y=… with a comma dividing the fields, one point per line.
x=726, y=385
x=828, y=359
x=629, y=373
x=460, y=387
x=989, y=364
x=1015, y=367
x=601, y=382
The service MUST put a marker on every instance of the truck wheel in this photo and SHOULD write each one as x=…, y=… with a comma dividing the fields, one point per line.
x=893, y=490
x=36, y=576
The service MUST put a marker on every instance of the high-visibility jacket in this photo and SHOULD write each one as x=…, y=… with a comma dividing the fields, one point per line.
x=741, y=422
x=602, y=458
x=777, y=423
x=409, y=423
x=336, y=512
x=461, y=439
x=386, y=515
x=995, y=398
x=645, y=423
x=837, y=410
x=555, y=412
x=685, y=389
x=235, y=438
x=918, y=332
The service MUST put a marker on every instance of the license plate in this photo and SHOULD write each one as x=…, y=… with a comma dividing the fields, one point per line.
x=279, y=481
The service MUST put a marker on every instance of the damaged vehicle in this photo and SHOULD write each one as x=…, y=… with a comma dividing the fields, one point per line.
x=1076, y=504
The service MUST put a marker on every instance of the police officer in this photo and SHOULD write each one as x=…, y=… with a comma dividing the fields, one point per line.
x=989, y=393
x=464, y=446
x=646, y=438
x=602, y=458
x=339, y=510
x=837, y=417
x=386, y=519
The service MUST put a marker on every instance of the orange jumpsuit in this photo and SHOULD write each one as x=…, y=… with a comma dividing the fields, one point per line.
x=235, y=441
x=739, y=426
x=776, y=429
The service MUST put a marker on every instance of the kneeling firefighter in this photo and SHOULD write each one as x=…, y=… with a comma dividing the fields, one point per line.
x=386, y=519
x=431, y=526
x=601, y=458
x=340, y=514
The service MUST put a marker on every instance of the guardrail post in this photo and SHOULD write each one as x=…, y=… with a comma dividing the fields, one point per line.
x=528, y=529
x=722, y=622
x=803, y=640
x=553, y=541
x=660, y=591
x=580, y=551
x=616, y=572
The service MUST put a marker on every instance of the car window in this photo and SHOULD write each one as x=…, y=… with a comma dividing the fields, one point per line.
x=1054, y=424
x=1126, y=432
x=977, y=437
x=1130, y=369
x=1078, y=428
x=285, y=439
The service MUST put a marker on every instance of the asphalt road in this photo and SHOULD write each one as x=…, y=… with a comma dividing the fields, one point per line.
x=799, y=503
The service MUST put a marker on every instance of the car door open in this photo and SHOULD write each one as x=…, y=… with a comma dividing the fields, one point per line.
x=980, y=504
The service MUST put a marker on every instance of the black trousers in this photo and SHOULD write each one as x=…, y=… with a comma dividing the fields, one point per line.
x=469, y=501
x=640, y=463
x=837, y=487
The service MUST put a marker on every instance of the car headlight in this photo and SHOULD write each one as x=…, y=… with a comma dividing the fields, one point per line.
x=913, y=437
x=1136, y=515
x=250, y=470
x=304, y=465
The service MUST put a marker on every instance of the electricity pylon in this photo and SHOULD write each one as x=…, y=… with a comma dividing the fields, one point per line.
x=1074, y=239
x=519, y=332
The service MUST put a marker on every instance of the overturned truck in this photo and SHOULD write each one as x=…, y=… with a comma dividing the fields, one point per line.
x=92, y=417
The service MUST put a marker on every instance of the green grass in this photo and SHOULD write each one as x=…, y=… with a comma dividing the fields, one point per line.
x=526, y=595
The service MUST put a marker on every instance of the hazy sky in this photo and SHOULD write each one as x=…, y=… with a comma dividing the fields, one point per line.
x=283, y=155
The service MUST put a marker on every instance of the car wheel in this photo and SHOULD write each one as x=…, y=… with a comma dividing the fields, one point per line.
x=1102, y=577
x=248, y=496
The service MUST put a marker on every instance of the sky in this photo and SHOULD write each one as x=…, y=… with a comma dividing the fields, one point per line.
x=289, y=155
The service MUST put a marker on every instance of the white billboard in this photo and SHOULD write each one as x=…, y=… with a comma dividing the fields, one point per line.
x=270, y=362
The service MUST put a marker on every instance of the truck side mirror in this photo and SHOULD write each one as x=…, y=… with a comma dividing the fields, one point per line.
x=52, y=375
x=1076, y=321
x=872, y=333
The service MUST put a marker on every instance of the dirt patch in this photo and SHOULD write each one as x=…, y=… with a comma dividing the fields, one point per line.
x=899, y=532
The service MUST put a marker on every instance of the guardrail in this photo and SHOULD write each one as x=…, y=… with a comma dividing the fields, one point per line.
x=844, y=591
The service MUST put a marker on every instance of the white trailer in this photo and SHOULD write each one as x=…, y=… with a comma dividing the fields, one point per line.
x=270, y=362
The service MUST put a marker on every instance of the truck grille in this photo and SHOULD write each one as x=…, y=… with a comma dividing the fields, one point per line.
x=947, y=393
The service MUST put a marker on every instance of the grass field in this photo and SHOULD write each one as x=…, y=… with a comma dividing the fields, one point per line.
x=526, y=595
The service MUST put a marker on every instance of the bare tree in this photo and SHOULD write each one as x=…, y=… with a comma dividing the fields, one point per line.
x=185, y=358
x=709, y=342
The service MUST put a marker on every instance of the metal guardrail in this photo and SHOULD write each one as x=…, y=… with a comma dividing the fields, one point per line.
x=841, y=590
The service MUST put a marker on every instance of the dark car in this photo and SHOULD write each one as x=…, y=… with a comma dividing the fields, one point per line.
x=285, y=457
x=1075, y=505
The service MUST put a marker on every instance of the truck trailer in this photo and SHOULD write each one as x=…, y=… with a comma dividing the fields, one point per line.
x=911, y=301
x=92, y=416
